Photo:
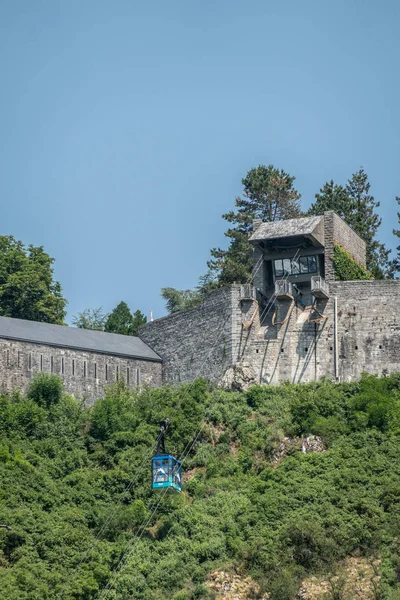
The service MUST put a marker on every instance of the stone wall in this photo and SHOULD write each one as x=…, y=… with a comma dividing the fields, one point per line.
x=300, y=350
x=85, y=374
x=337, y=231
x=195, y=342
x=226, y=330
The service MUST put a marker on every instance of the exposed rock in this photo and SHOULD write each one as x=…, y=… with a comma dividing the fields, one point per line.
x=358, y=579
x=287, y=445
x=230, y=586
x=239, y=377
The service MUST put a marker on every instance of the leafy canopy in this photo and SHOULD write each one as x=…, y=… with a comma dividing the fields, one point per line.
x=75, y=489
x=119, y=320
x=27, y=286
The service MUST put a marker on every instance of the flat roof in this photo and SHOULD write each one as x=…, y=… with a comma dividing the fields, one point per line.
x=75, y=338
x=288, y=228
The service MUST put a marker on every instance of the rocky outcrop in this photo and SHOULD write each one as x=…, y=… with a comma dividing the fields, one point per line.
x=230, y=586
x=311, y=443
x=239, y=377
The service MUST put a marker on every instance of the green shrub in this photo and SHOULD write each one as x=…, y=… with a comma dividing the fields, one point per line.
x=346, y=268
x=45, y=389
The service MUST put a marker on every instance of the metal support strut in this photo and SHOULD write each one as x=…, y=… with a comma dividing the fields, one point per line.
x=164, y=424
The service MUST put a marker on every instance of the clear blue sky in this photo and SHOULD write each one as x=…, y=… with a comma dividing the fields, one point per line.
x=126, y=126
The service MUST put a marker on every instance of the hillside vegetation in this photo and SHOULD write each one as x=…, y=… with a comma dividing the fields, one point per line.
x=75, y=491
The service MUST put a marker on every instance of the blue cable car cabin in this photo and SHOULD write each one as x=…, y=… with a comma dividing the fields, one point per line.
x=166, y=470
x=167, y=473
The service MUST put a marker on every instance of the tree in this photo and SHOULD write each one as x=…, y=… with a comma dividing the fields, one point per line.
x=90, y=318
x=121, y=320
x=138, y=320
x=356, y=206
x=396, y=262
x=177, y=300
x=269, y=195
x=27, y=286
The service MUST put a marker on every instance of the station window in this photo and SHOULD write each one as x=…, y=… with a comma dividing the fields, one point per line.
x=95, y=370
x=84, y=368
x=41, y=362
x=304, y=265
x=73, y=366
x=62, y=366
x=30, y=360
x=127, y=375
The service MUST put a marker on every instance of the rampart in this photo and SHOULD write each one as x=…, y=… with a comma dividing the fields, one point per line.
x=301, y=346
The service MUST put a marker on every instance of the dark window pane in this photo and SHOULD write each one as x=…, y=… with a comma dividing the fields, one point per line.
x=295, y=267
x=304, y=264
x=278, y=268
x=287, y=269
x=312, y=264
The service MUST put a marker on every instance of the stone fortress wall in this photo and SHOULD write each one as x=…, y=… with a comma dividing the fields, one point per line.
x=215, y=336
x=85, y=374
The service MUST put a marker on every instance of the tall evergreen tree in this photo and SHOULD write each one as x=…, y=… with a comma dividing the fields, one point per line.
x=138, y=319
x=357, y=207
x=120, y=320
x=269, y=194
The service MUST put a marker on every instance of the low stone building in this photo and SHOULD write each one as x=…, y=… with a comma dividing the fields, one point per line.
x=86, y=360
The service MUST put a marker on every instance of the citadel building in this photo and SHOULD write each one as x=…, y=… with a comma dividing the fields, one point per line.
x=292, y=322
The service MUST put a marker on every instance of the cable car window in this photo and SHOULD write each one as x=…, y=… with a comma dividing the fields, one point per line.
x=278, y=268
x=312, y=264
x=160, y=470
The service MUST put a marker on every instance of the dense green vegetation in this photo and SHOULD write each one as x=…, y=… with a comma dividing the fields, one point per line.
x=27, y=286
x=75, y=489
x=346, y=268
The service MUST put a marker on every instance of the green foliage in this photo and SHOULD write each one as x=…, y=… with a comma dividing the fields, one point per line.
x=177, y=300
x=75, y=488
x=45, y=389
x=90, y=318
x=396, y=232
x=27, y=288
x=346, y=268
x=120, y=320
x=269, y=195
x=354, y=203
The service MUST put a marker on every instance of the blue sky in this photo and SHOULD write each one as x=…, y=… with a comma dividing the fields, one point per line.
x=126, y=126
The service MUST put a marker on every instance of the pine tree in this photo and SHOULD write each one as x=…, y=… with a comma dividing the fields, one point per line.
x=356, y=206
x=331, y=197
x=269, y=195
x=120, y=320
x=138, y=319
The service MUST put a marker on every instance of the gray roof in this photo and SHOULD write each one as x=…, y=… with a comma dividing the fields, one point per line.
x=288, y=228
x=78, y=339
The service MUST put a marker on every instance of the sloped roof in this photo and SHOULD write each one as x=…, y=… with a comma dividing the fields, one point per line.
x=288, y=228
x=77, y=339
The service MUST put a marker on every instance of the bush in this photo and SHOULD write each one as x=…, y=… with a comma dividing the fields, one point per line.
x=45, y=389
